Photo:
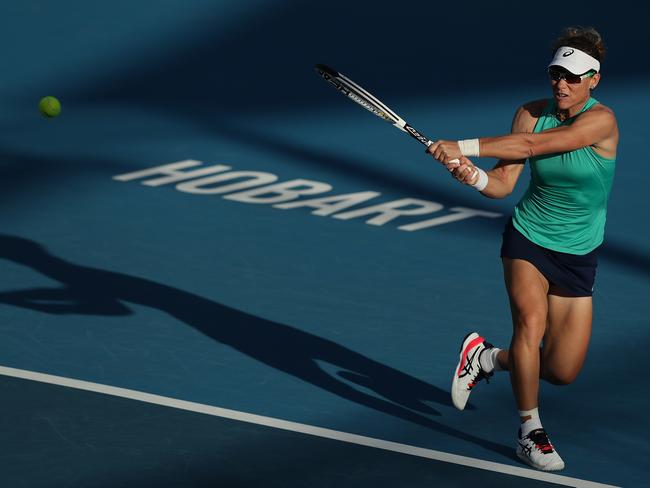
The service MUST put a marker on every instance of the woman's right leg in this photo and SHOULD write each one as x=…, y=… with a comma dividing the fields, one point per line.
x=527, y=291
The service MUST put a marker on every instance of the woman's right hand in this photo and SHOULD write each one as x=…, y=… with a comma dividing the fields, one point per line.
x=465, y=171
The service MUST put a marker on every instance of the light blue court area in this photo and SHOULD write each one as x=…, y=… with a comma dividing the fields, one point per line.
x=342, y=319
x=167, y=460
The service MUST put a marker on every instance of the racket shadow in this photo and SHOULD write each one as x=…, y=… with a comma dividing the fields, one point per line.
x=349, y=375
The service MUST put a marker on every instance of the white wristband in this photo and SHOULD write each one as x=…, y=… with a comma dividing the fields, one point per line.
x=482, y=181
x=469, y=148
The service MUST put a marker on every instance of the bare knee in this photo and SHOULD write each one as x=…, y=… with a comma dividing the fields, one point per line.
x=561, y=377
x=530, y=327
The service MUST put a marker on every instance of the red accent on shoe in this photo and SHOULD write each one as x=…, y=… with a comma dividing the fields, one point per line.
x=470, y=346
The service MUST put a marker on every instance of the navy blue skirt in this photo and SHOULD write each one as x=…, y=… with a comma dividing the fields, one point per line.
x=568, y=274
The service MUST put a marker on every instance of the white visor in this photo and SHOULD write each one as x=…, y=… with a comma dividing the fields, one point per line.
x=574, y=60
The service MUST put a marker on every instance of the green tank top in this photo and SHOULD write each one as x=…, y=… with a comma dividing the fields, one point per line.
x=565, y=206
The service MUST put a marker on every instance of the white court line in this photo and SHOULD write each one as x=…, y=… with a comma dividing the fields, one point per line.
x=301, y=428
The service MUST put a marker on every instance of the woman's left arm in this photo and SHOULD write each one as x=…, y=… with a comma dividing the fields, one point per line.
x=589, y=129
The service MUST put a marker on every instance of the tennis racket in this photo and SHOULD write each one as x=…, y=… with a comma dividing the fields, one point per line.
x=371, y=103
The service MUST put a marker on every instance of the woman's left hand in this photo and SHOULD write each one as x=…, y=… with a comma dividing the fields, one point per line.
x=444, y=151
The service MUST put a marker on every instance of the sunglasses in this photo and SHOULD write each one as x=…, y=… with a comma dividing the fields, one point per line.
x=557, y=75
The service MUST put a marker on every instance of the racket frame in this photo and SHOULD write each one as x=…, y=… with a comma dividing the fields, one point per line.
x=368, y=101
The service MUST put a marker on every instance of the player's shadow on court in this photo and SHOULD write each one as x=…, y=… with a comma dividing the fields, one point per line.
x=91, y=291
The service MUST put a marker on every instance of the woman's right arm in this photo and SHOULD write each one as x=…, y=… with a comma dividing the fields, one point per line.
x=503, y=177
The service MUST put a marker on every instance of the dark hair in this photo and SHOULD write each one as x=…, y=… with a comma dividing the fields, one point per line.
x=587, y=39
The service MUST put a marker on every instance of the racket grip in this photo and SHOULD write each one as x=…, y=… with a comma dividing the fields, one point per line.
x=454, y=161
x=428, y=143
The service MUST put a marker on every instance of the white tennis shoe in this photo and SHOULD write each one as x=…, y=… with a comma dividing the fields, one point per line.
x=468, y=371
x=536, y=450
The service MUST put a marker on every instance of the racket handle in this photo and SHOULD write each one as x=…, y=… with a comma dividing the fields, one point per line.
x=415, y=134
x=427, y=143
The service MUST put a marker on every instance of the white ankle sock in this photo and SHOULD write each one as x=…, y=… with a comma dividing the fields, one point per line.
x=532, y=423
x=489, y=361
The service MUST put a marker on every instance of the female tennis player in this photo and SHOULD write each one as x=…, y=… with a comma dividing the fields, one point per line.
x=551, y=242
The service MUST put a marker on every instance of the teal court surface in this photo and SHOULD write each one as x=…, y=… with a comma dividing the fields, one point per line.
x=166, y=323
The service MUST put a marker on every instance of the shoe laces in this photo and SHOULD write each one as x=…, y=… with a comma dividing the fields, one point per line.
x=480, y=374
x=541, y=441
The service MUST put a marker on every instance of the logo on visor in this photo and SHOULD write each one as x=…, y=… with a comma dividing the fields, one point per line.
x=568, y=53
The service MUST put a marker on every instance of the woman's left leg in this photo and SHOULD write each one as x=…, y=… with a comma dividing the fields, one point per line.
x=566, y=339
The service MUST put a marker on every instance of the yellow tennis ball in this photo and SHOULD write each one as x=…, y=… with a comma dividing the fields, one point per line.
x=49, y=107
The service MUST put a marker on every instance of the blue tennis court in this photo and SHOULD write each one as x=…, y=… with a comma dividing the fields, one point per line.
x=166, y=323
